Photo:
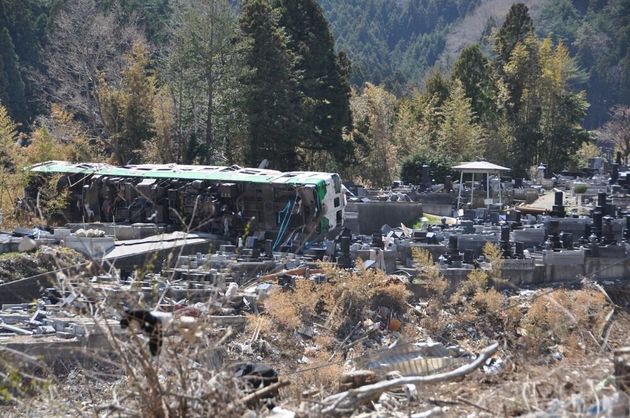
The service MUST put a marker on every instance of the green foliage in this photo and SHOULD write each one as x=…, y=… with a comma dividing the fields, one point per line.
x=560, y=19
x=598, y=33
x=203, y=71
x=517, y=27
x=460, y=136
x=127, y=110
x=11, y=83
x=374, y=113
x=473, y=69
x=436, y=87
x=273, y=103
x=22, y=33
x=439, y=165
x=392, y=43
x=544, y=112
x=580, y=188
x=323, y=78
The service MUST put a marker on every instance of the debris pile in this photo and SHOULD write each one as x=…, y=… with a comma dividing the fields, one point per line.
x=432, y=318
x=19, y=265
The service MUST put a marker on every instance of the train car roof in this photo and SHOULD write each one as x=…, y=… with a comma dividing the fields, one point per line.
x=232, y=173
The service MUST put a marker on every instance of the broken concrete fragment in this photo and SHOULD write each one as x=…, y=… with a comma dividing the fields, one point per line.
x=26, y=244
x=46, y=329
x=15, y=329
x=279, y=412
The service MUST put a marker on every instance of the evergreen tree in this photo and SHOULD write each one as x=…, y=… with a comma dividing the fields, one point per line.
x=436, y=87
x=517, y=26
x=12, y=87
x=546, y=114
x=273, y=104
x=475, y=73
x=201, y=68
x=24, y=19
x=522, y=107
x=323, y=81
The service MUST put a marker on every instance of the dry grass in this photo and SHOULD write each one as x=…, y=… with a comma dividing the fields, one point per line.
x=429, y=271
x=569, y=318
x=185, y=380
x=321, y=375
x=340, y=302
x=190, y=378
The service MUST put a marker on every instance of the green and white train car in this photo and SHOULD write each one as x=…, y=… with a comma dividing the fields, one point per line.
x=288, y=208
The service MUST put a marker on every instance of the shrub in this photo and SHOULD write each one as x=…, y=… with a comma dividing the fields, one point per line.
x=564, y=317
x=580, y=188
x=411, y=170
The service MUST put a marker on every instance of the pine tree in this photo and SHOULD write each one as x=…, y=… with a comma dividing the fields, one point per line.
x=12, y=93
x=436, y=87
x=475, y=73
x=517, y=26
x=273, y=104
x=323, y=82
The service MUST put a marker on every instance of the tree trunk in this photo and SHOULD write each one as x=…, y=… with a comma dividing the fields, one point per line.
x=209, y=127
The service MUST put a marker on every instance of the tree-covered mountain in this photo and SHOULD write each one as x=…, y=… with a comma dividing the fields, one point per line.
x=390, y=42
x=396, y=43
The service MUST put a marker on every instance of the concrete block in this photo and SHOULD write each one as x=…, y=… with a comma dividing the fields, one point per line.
x=603, y=268
x=564, y=266
x=95, y=247
x=475, y=242
x=373, y=215
x=519, y=272
x=530, y=237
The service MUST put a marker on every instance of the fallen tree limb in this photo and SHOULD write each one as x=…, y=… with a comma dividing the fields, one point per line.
x=606, y=329
x=253, y=397
x=484, y=409
x=351, y=399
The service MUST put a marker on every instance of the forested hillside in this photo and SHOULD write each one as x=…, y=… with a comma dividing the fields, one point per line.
x=393, y=42
x=396, y=43
x=349, y=85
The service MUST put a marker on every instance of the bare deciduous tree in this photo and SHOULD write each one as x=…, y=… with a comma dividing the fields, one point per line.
x=618, y=129
x=85, y=43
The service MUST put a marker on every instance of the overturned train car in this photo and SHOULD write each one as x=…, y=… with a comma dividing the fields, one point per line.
x=287, y=208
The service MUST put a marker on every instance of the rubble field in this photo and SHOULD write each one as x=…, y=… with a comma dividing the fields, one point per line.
x=421, y=305
x=329, y=331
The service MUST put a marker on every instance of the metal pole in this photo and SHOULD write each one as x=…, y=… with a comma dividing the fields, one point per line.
x=472, y=191
x=488, y=188
x=461, y=184
x=500, y=200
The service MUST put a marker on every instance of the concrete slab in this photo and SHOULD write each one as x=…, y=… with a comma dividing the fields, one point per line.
x=133, y=253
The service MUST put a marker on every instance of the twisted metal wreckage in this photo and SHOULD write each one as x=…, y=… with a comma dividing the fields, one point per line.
x=288, y=208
